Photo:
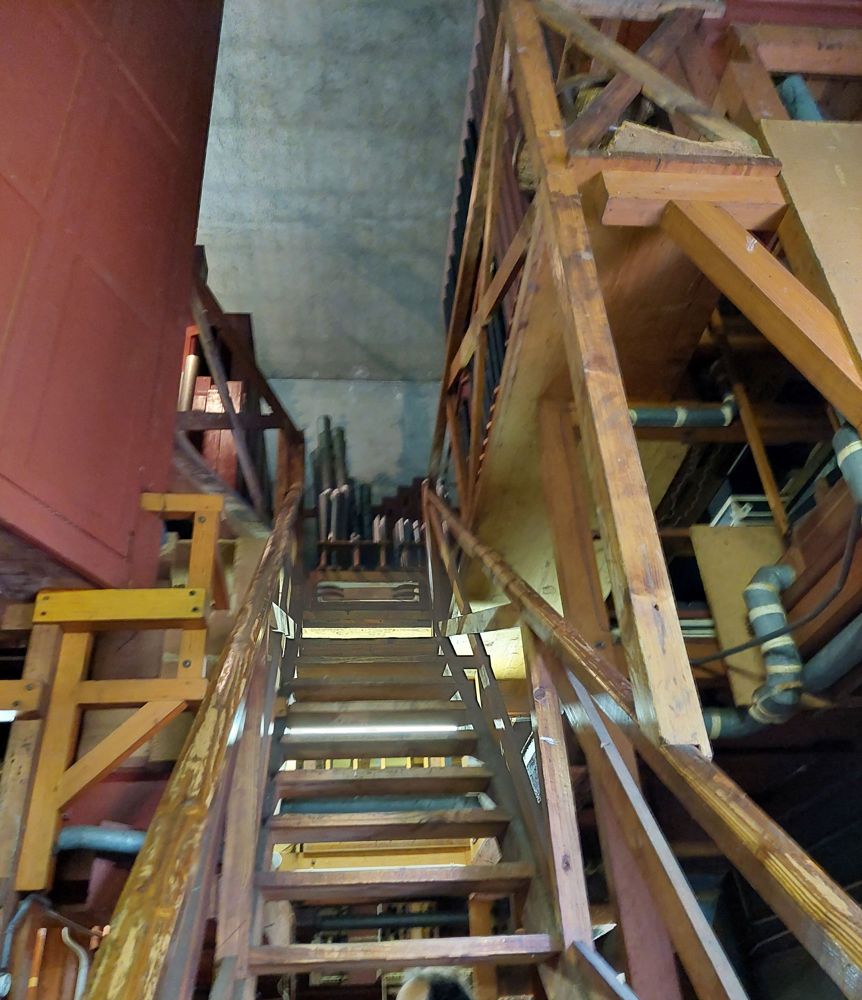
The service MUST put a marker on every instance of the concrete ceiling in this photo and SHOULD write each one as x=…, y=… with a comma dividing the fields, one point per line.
x=329, y=179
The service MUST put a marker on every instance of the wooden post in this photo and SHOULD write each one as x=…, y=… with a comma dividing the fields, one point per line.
x=481, y=925
x=648, y=952
x=665, y=694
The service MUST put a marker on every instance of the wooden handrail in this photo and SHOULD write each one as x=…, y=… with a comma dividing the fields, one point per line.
x=149, y=907
x=825, y=920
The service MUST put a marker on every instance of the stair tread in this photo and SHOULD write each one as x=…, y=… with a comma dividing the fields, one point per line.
x=316, y=887
x=328, y=828
x=400, y=647
x=316, y=688
x=504, y=949
x=381, y=781
x=384, y=671
x=381, y=711
x=340, y=746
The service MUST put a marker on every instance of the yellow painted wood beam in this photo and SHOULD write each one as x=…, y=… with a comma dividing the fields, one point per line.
x=177, y=505
x=91, y=610
x=115, y=694
x=23, y=697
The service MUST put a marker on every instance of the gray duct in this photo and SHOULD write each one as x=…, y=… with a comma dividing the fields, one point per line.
x=102, y=839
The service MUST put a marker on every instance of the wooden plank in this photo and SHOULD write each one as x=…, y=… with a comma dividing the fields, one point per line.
x=326, y=888
x=491, y=619
x=504, y=949
x=25, y=698
x=819, y=235
x=36, y=860
x=485, y=985
x=126, y=693
x=823, y=917
x=115, y=748
x=16, y=617
x=666, y=696
x=381, y=687
x=617, y=95
x=19, y=764
x=88, y=610
x=631, y=198
x=376, y=712
x=338, y=747
x=322, y=828
x=369, y=671
x=643, y=10
x=558, y=798
x=655, y=85
x=381, y=781
x=368, y=650
x=785, y=48
x=793, y=320
x=172, y=506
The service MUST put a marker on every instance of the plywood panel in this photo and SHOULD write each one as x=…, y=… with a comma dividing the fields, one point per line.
x=728, y=558
x=822, y=233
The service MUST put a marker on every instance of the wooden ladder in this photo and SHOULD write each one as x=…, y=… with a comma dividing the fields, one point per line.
x=380, y=749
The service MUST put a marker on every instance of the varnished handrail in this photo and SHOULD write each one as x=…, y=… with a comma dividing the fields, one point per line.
x=824, y=918
x=130, y=961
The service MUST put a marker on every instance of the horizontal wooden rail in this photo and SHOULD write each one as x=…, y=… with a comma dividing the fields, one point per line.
x=149, y=907
x=825, y=920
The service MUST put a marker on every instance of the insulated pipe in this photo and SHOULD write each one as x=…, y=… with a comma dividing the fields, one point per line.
x=683, y=416
x=798, y=99
x=848, y=452
x=103, y=839
x=835, y=659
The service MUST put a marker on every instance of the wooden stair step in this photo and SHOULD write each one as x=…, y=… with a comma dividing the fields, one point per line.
x=504, y=949
x=323, y=888
x=361, y=689
x=393, y=671
x=340, y=746
x=381, y=781
x=356, y=713
x=334, y=828
x=368, y=617
x=368, y=650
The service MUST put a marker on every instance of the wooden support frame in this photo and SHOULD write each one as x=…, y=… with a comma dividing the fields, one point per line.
x=824, y=918
x=666, y=697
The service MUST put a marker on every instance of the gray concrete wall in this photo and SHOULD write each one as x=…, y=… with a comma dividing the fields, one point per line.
x=389, y=424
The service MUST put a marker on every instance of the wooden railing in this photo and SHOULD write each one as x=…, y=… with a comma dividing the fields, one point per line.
x=568, y=673
x=157, y=930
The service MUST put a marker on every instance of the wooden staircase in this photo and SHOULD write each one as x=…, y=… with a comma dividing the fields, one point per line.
x=383, y=747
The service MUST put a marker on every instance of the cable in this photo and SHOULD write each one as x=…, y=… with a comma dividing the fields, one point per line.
x=846, y=562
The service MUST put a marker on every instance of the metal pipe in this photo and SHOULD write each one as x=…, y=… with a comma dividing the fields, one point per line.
x=191, y=364
x=373, y=921
x=721, y=415
x=83, y=957
x=102, y=839
x=798, y=99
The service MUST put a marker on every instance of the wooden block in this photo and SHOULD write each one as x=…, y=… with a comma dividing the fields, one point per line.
x=631, y=198
x=16, y=617
x=23, y=697
x=91, y=610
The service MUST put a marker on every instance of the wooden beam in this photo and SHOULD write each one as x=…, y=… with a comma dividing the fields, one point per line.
x=666, y=696
x=25, y=698
x=115, y=748
x=196, y=420
x=174, y=506
x=16, y=617
x=502, y=281
x=655, y=85
x=91, y=610
x=493, y=619
x=485, y=985
x=785, y=48
x=636, y=198
x=592, y=123
x=822, y=916
x=789, y=316
x=558, y=797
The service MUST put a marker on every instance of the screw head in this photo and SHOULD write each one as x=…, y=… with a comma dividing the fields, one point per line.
x=187, y=663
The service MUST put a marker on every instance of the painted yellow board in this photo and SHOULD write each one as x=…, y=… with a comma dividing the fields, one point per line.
x=728, y=558
x=822, y=233
x=84, y=610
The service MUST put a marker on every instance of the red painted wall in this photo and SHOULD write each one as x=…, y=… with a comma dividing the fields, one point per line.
x=104, y=108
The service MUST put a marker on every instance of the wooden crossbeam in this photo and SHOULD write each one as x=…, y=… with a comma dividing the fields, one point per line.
x=24, y=697
x=660, y=89
x=173, y=506
x=92, y=610
x=127, y=693
x=115, y=748
x=592, y=123
x=635, y=198
x=794, y=320
x=785, y=48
